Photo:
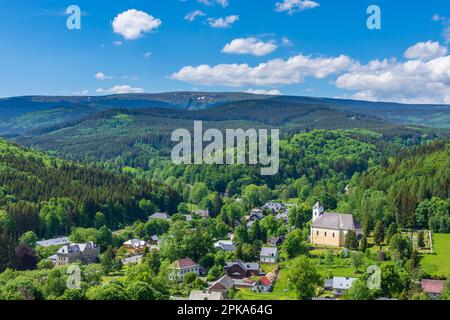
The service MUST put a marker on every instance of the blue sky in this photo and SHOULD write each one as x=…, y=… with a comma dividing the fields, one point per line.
x=322, y=49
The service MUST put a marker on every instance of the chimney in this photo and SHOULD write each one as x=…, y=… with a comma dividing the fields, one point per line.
x=317, y=211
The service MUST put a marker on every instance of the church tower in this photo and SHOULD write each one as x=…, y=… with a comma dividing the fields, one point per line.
x=317, y=211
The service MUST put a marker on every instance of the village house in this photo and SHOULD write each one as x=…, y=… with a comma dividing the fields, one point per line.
x=53, y=242
x=339, y=285
x=202, y=213
x=200, y=295
x=282, y=216
x=268, y=255
x=274, y=207
x=264, y=285
x=135, y=246
x=86, y=253
x=240, y=270
x=132, y=260
x=159, y=215
x=255, y=214
x=433, y=288
x=182, y=267
x=276, y=241
x=225, y=245
x=330, y=229
x=222, y=285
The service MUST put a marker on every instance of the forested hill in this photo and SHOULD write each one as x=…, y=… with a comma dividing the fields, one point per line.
x=412, y=190
x=49, y=196
x=19, y=115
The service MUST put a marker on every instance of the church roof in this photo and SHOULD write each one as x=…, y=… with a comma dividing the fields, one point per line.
x=339, y=221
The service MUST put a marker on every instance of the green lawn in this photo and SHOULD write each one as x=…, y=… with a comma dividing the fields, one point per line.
x=280, y=290
x=438, y=263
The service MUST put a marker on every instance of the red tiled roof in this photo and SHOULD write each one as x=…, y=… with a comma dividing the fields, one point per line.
x=186, y=263
x=266, y=281
x=433, y=286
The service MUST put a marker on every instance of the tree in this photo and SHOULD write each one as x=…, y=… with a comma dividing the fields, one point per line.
x=153, y=261
x=109, y=261
x=421, y=240
x=378, y=233
x=198, y=193
x=215, y=273
x=104, y=238
x=294, y=244
x=22, y=288
x=29, y=238
x=111, y=291
x=189, y=278
x=393, y=279
x=359, y=291
x=140, y=290
x=363, y=244
x=357, y=260
x=74, y=294
x=392, y=229
x=401, y=246
x=24, y=258
x=351, y=242
x=303, y=276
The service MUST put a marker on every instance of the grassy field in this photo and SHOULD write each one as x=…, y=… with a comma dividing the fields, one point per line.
x=438, y=263
x=280, y=290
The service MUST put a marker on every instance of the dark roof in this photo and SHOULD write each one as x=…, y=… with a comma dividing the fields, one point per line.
x=246, y=266
x=340, y=221
x=223, y=283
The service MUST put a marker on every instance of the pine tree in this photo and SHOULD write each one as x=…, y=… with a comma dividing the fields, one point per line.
x=378, y=233
x=351, y=242
x=363, y=244
x=421, y=240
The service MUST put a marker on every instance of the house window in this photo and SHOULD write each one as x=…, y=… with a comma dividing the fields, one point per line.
x=333, y=234
x=325, y=234
x=317, y=232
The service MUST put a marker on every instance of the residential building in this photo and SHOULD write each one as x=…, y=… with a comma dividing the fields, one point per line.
x=182, y=267
x=433, y=288
x=330, y=229
x=202, y=213
x=283, y=216
x=225, y=245
x=269, y=255
x=86, y=253
x=264, y=284
x=276, y=241
x=240, y=270
x=274, y=207
x=200, y=295
x=222, y=285
x=135, y=246
x=339, y=285
x=132, y=260
x=159, y=215
x=53, y=242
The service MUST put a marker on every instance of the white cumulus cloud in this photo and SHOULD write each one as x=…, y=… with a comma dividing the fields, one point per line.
x=102, y=76
x=410, y=81
x=225, y=22
x=426, y=51
x=293, y=6
x=274, y=92
x=132, y=24
x=120, y=89
x=251, y=46
x=223, y=3
x=272, y=73
x=191, y=16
